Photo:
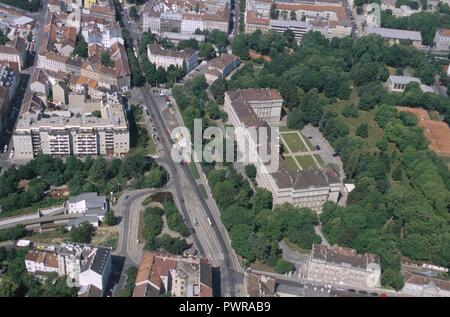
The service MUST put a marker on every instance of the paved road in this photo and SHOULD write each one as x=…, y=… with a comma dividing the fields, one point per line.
x=216, y=245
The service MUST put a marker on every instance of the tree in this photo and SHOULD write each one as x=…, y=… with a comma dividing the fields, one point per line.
x=218, y=88
x=397, y=173
x=106, y=60
x=293, y=15
x=362, y=130
x=250, y=170
x=274, y=13
x=207, y=51
x=8, y=287
x=83, y=233
x=350, y=111
x=262, y=199
x=110, y=218
x=81, y=47
x=283, y=267
x=133, y=13
x=3, y=38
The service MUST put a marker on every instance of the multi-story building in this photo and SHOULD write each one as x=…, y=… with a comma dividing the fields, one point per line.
x=59, y=40
x=442, y=39
x=88, y=265
x=164, y=57
x=399, y=83
x=14, y=51
x=40, y=262
x=419, y=285
x=254, y=108
x=221, y=67
x=343, y=266
x=265, y=103
x=42, y=129
x=186, y=16
x=161, y=273
x=327, y=17
x=9, y=79
x=396, y=36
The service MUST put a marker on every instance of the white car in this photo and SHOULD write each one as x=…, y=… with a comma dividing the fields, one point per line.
x=11, y=154
x=5, y=148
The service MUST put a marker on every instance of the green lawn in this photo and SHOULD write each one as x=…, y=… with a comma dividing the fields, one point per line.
x=306, y=161
x=308, y=143
x=293, y=141
x=375, y=132
x=319, y=160
x=151, y=147
x=194, y=170
x=291, y=165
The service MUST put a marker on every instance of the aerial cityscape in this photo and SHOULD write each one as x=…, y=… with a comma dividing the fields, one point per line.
x=225, y=148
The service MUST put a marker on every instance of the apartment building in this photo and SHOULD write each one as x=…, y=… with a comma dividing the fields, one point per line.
x=343, y=266
x=62, y=131
x=396, y=36
x=305, y=188
x=89, y=265
x=221, y=67
x=327, y=17
x=161, y=273
x=15, y=52
x=59, y=40
x=186, y=16
x=164, y=57
x=41, y=262
x=442, y=39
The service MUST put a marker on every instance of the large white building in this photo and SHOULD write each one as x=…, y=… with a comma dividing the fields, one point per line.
x=164, y=57
x=343, y=266
x=396, y=36
x=71, y=132
x=87, y=264
x=256, y=108
x=425, y=286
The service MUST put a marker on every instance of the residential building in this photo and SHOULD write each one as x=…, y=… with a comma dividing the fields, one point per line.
x=164, y=57
x=343, y=266
x=61, y=131
x=419, y=285
x=221, y=67
x=41, y=262
x=442, y=39
x=59, y=40
x=396, y=36
x=9, y=79
x=89, y=265
x=14, y=51
x=161, y=273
